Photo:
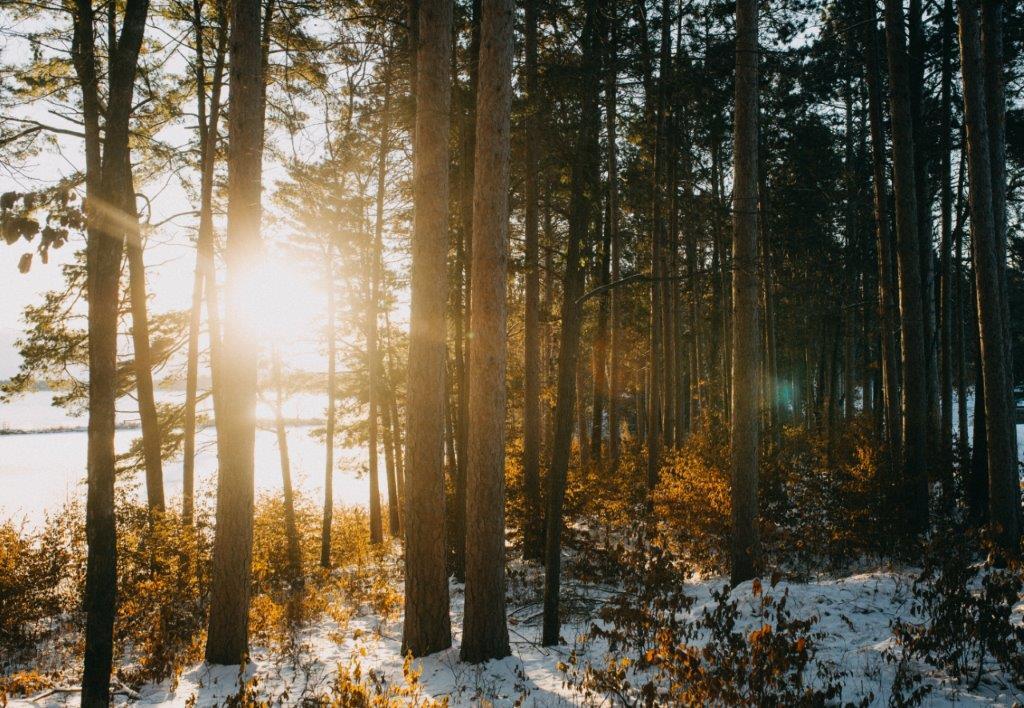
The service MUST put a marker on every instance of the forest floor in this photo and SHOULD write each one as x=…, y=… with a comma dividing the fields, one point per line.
x=853, y=630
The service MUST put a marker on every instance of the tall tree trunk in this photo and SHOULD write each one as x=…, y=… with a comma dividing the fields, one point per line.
x=532, y=535
x=327, y=519
x=291, y=530
x=914, y=497
x=746, y=541
x=427, y=626
x=615, y=322
x=600, y=354
x=108, y=180
x=151, y=449
x=946, y=238
x=1004, y=486
x=204, y=281
x=373, y=358
x=485, y=633
x=887, y=312
x=916, y=72
x=568, y=354
x=228, y=634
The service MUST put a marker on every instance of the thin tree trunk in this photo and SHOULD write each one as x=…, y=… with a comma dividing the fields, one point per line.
x=291, y=530
x=332, y=356
x=204, y=280
x=532, y=535
x=746, y=541
x=887, y=311
x=568, y=355
x=427, y=626
x=615, y=322
x=914, y=497
x=946, y=242
x=150, y=421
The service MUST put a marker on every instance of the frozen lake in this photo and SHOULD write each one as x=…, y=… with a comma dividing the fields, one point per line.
x=40, y=472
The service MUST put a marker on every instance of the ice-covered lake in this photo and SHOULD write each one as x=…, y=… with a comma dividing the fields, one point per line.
x=41, y=471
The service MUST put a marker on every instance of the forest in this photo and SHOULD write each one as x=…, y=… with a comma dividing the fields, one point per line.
x=495, y=353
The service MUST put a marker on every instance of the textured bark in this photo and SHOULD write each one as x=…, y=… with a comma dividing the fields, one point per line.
x=568, y=354
x=1004, y=486
x=746, y=541
x=427, y=626
x=485, y=634
x=228, y=632
x=108, y=183
x=532, y=535
x=887, y=312
x=914, y=448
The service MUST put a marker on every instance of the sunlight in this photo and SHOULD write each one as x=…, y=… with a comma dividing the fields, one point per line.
x=282, y=302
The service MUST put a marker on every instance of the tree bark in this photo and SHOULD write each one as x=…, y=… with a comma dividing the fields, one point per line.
x=427, y=627
x=204, y=280
x=568, y=355
x=485, y=633
x=887, y=312
x=1004, y=485
x=615, y=305
x=532, y=535
x=746, y=541
x=914, y=447
x=108, y=181
x=228, y=632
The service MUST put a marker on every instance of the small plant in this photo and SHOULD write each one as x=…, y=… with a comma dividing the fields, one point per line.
x=961, y=617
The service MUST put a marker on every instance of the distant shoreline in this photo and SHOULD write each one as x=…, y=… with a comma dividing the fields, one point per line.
x=135, y=425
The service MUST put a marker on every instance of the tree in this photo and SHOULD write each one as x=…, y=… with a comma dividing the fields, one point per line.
x=228, y=633
x=746, y=541
x=427, y=626
x=1004, y=485
x=914, y=443
x=485, y=632
x=108, y=182
x=580, y=205
x=533, y=538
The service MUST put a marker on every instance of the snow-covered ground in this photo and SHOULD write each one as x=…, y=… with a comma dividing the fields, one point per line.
x=854, y=614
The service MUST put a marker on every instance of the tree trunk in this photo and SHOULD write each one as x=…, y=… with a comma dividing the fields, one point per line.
x=228, y=633
x=532, y=535
x=568, y=355
x=615, y=321
x=485, y=633
x=887, y=312
x=150, y=421
x=108, y=180
x=332, y=356
x=427, y=627
x=1004, y=485
x=204, y=280
x=291, y=530
x=946, y=239
x=914, y=497
x=746, y=541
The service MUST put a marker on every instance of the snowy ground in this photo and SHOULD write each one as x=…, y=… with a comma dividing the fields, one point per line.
x=854, y=613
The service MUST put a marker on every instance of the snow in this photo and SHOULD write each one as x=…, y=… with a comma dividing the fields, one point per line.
x=854, y=614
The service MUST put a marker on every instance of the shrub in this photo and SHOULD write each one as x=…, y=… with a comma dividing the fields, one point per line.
x=962, y=615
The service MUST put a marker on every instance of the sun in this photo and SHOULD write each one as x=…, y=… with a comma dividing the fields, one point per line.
x=282, y=302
